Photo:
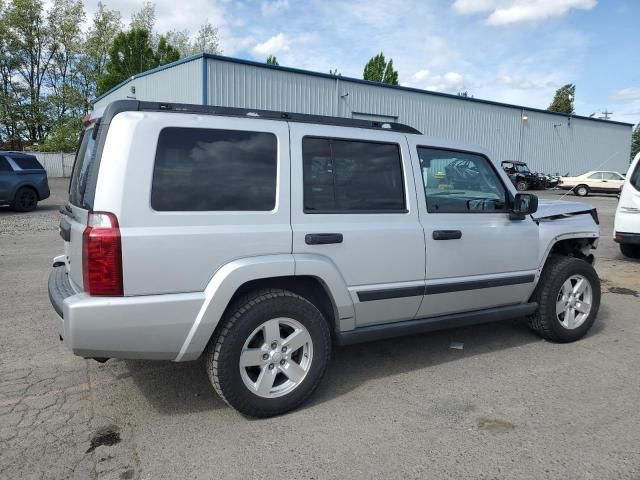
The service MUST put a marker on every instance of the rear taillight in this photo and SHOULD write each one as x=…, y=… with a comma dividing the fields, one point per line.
x=102, y=255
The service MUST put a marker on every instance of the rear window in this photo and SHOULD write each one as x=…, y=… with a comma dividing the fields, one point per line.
x=28, y=163
x=201, y=169
x=82, y=166
x=635, y=177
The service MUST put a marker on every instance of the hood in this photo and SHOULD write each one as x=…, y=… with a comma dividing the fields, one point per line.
x=551, y=208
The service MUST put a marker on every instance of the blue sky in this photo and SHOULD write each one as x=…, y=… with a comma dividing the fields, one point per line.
x=516, y=51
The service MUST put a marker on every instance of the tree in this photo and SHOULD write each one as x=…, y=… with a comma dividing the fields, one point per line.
x=635, y=141
x=563, y=99
x=272, y=60
x=206, y=40
x=378, y=70
x=145, y=18
x=132, y=53
x=165, y=53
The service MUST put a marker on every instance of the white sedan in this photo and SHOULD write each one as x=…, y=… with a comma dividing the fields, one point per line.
x=593, y=182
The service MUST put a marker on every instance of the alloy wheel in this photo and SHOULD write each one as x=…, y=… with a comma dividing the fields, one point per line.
x=573, y=304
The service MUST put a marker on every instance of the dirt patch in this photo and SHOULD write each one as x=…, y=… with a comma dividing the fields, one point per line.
x=104, y=436
x=495, y=425
x=623, y=291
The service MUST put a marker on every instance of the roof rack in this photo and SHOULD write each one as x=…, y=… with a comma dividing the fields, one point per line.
x=119, y=106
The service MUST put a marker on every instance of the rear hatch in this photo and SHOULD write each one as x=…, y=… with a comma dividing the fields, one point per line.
x=81, y=192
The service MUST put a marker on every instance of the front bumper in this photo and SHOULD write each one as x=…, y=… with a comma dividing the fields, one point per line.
x=150, y=327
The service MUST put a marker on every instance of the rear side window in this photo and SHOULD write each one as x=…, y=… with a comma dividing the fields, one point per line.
x=199, y=169
x=635, y=177
x=352, y=176
x=4, y=165
x=82, y=165
x=28, y=163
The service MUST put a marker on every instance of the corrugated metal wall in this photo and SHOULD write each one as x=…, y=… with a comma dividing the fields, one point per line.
x=180, y=83
x=546, y=142
x=56, y=164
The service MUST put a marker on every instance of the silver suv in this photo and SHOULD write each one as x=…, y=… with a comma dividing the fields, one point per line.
x=258, y=239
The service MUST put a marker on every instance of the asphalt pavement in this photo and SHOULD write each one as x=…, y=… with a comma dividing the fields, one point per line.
x=507, y=405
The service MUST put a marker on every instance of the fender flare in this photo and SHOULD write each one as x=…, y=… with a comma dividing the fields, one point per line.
x=231, y=276
x=565, y=236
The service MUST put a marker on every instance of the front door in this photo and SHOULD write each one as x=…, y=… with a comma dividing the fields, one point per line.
x=477, y=257
x=353, y=202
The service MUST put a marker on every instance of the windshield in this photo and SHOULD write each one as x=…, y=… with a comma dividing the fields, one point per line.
x=85, y=158
x=522, y=168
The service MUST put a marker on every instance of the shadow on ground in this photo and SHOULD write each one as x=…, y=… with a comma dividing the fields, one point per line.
x=178, y=388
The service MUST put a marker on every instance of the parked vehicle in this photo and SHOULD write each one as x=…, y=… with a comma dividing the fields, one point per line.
x=23, y=181
x=258, y=239
x=627, y=221
x=524, y=179
x=593, y=182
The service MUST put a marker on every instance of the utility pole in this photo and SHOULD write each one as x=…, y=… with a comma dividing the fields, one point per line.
x=606, y=114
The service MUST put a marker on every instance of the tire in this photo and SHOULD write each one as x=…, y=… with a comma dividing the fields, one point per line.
x=245, y=326
x=549, y=295
x=630, y=251
x=522, y=186
x=581, y=190
x=26, y=200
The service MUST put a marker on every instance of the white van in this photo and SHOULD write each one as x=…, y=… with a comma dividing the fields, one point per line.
x=627, y=224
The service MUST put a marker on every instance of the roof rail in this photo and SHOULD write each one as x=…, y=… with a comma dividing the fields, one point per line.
x=119, y=106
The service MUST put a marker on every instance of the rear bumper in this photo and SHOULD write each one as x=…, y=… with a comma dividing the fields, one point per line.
x=627, y=238
x=150, y=327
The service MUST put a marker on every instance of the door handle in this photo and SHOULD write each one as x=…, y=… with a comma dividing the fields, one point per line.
x=447, y=234
x=322, y=238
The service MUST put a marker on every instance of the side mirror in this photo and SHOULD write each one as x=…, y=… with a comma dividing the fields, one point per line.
x=523, y=204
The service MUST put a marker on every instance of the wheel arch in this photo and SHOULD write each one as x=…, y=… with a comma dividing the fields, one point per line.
x=316, y=279
x=25, y=185
x=577, y=245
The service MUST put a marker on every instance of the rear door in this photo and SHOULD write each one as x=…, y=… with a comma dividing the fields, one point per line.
x=354, y=203
x=477, y=257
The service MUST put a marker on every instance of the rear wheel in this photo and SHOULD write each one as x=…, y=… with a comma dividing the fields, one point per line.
x=630, y=251
x=26, y=200
x=568, y=296
x=581, y=190
x=269, y=354
x=522, y=186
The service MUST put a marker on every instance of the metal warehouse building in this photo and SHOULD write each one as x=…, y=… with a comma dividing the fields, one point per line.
x=548, y=142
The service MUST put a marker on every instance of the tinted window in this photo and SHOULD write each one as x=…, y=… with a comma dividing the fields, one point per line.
x=635, y=177
x=85, y=158
x=596, y=176
x=28, y=163
x=200, y=169
x=4, y=165
x=460, y=182
x=351, y=176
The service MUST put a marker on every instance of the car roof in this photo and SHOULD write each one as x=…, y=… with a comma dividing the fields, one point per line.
x=16, y=154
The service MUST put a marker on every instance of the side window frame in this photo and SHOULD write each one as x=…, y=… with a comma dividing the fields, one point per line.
x=508, y=197
x=403, y=178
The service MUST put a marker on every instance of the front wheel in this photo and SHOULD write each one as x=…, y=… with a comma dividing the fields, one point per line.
x=269, y=354
x=581, y=190
x=568, y=297
x=521, y=186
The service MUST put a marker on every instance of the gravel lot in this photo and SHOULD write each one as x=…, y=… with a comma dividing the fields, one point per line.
x=508, y=405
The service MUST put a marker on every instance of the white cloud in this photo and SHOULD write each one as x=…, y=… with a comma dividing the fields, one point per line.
x=420, y=75
x=626, y=95
x=451, y=82
x=272, y=7
x=509, y=12
x=276, y=44
x=520, y=83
